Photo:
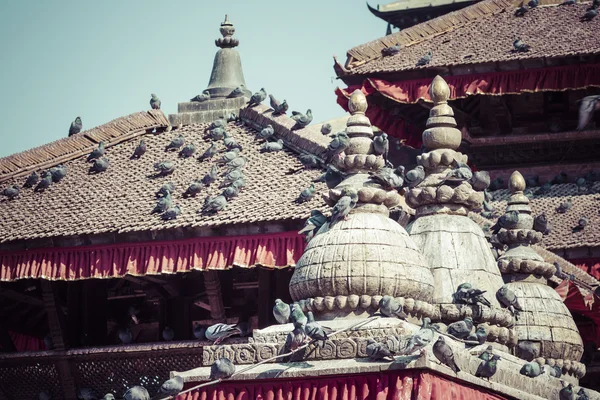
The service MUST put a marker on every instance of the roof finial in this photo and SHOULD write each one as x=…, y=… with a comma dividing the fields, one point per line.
x=227, y=30
x=357, y=103
x=439, y=91
x=516, y=183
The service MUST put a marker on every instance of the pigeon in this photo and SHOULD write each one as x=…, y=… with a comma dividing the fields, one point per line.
x=139, y=150
x=168, y=334
x=171, y=213
x=58, y=172
x=508, y=220
x=108, y=396
x=378, y=351
x=337, y=146
x=487, y=354
x=313, y=224
x=230, y=192
x=414, y=176
x=332, y=177
x=239, y=183
x=75, y=127
x=194, y=188
x=554, y=371
x=221, y=369
x=391, y=307
x=326, y=129
x=381, y=145
x=219, y=332
x=154, y=102
x=587, y=106
x=566, y=393
x=479, y=336
x=257, y=98
x=480, y=180
x=11, y=192
x=266, y=133
x=86, y=394
x=560, y=178
x=97, y=152
x=520, y=46
x=187, y=151
x=344, y=205
x=278, y=108
x=294, y=339
x=487, y=369
x=581, y=224
x=172, y=386
x=204, y=96
x=164, y=167
x=590, y=14
x=236, y=163
x=281, y=311
x=467, y=294
x=238, y=91
x=306, y=194
x=461, y=329
x=167, y=188
x=32, y=180
x=213, y=205
x=443, y=352
x=419, y=340
x=309, y=160
x=426, y=59
x=533, y=3
x=521, y=11
x=302, y=120
x=541, y=224
x=231, y=177
x=136, y=393
x=568, y=3
x=509, y=299
x=176, y=143
x=497, y=184
x=270, y=147
x=230, y=143
x=99, y=165
x=45, y=182
x=390, y=51
x=531, y=369
x=209, y=153
x=163, y=204
x=125, y=336
x=582, y=395
x=564, y=206
x=389, y=178
x=315, y=330
x=460, y=173
x=297, y=316
x=215, y=134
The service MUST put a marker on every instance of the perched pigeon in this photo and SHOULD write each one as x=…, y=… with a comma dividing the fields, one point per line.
x=200, y=332
x=215, y=134
x=531, y=369
x=281, y=311
x=419, y=340
x=521, y=11
x=125, y=336
x=167, y=188
x=309, y=160
x=426, y=59
x=239, y=183
x=204, y=96
x=587, y=106
x=487, y=369
x=238, y=91
x=45, y=182
x=533, y=3
x=231, y=177
x=390, y=51
x=561, y=178
x=278, y=107
x=389, y=178
x=581, y=224
x=297, y=316
x=554, y=371
x=100, y=165
x=566, y=393
x=487, y=354
x=564, y=206
x=294, y=339
x=163, y=204
x=75, y=127
x=209, y=153
x=315, y=330
x=480, y=180
x=313, y=224
x=136, y=393
x=509, y=299
x=333, y=176
x=381, y=145
x=86, y=394
x=164, y=167
x=461, y=329
x=326, y=129
x=496, y=184
x=230, y=143
x=214, y=204
x=480, y=335
x=467, y=294
x=391, y=307
x=32, y=180
x=97, y=152
x=58, y=172
x=590, y=14
x=520, y=46
x=11, y=192
x=582, y=395
x=219, y=332
x=109, y=396
x=187, y=151
x=337, y=146
x=154, y=102
x=302, y=120
x=230, y=192
x=508, y=220
x=168, y=334
x=541, y=224
x=171, y=213
x=236, y=163
x=228, y=156
x=307, y=194
x=139, y=150
x=266, y=133
x=443, y=352
x=257, y=98
x=378, y=351
x=460, y=173
x=194, y=188
x=172, y=386
x=176, y=143
x=344, y=205
x=414, y=176
x=222, y=368
x=270, y=147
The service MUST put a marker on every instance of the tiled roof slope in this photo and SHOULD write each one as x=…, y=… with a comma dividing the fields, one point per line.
x=481, y=33
x=121, y=198
x=50, y=154
x=562, y=235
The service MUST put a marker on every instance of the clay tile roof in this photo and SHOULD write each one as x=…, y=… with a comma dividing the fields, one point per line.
x=483, y=32
x=121, y=198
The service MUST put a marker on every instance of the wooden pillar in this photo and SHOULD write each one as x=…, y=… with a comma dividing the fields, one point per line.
x=178, y=317
x=215, y=298
x=94, y=312
x=265, y=300
x=74, y=298
x=6, y=341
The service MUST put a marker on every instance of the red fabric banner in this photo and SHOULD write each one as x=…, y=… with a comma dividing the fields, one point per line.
x=277, y=250
x=392, y=385
x=577, y=302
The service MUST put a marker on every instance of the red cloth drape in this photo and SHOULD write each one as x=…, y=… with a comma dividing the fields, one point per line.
x=26, y=343
x=497, y=83
x=589, y=265
x=577, y=301
x=397, y=385
x=275, y=250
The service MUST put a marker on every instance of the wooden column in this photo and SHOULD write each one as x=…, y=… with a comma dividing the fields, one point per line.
x=74, y=299
x=94, y=312
x=178, y=317
x=265, y=300
x=215, y=298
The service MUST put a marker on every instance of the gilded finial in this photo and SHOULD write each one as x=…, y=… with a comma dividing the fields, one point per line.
x=516, y=182
x=357, y=103
x=439, y=91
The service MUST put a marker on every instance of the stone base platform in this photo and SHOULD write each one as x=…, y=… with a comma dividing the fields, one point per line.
x=193, y=112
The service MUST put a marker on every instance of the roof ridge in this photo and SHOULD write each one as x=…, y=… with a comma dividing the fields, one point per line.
x=65, y=149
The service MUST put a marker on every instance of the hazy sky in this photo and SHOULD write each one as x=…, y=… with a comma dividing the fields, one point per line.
x=102, y=59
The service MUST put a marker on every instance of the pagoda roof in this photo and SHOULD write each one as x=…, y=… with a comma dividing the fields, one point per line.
x=482, y=33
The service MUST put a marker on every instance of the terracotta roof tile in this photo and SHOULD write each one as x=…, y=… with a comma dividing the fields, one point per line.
x=484, y=32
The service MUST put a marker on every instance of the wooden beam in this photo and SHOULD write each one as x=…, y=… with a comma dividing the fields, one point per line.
x=20, y=297
x=215, y=298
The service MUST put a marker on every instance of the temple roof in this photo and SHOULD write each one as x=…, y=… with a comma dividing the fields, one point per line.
x=482, y=33
x=121, y=198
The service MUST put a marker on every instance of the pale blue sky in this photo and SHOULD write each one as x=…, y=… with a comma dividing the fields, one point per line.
x=102, y=59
